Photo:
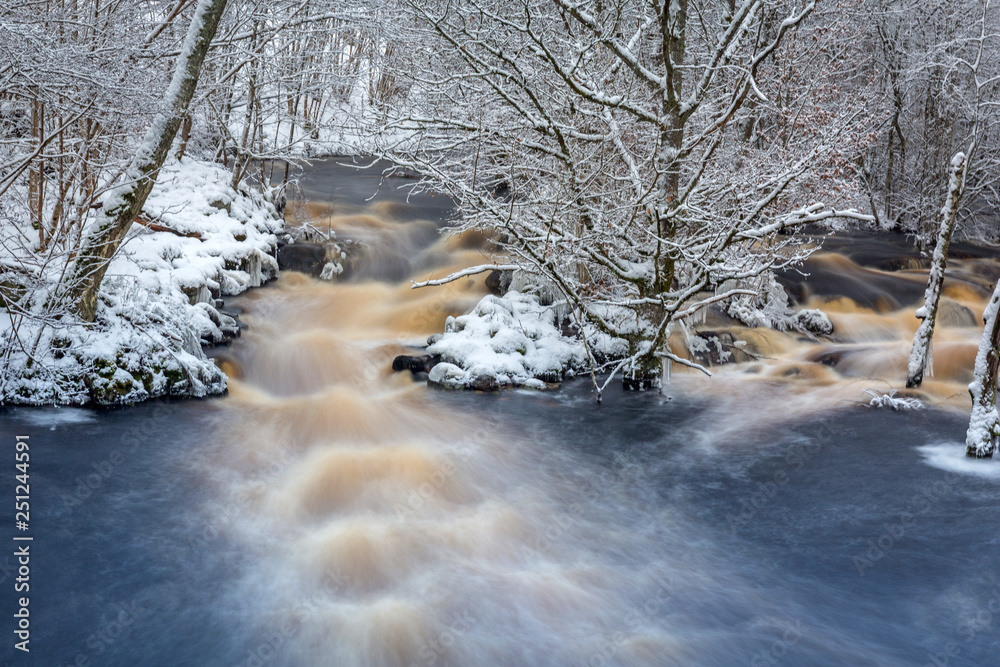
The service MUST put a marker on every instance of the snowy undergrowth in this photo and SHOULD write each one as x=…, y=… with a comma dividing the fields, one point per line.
x=155, y=306
x=514, y=340
x=505, y=341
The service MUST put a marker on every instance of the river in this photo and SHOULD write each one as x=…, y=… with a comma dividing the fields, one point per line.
x=328, y=512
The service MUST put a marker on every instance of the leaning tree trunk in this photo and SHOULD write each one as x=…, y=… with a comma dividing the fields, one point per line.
x=984, y=426
x=126, y=201
x=932, y=297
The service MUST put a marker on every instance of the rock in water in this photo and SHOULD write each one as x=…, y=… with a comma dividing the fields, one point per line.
x=309, y=258
x=446, y=376
x=498, y=282
x=484, y=383
x=953, y=314
x=421, y=364
x=813, y=321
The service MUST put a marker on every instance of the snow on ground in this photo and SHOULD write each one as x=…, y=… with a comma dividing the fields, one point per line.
x=505, y=341
x=950, y=457
x=156, y=304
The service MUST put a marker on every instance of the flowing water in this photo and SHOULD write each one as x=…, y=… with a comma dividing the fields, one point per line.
x=328, y=512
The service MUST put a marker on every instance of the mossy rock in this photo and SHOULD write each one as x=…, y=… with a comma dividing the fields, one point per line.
x=174, y=375
x=222, y=205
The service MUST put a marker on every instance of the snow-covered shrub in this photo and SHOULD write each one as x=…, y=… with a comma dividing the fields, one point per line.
x=769, y=308
x=883, y=400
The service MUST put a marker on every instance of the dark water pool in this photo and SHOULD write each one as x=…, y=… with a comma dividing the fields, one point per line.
x=836, y=541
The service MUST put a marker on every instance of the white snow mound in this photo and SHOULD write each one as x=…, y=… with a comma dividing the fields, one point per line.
x=156, y=303
x=511, y=339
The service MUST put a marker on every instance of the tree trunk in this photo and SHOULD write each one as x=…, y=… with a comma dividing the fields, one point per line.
x=127, y=200
x=185, y=137
x=984, y=425
x=932, y=297
x=646, y=370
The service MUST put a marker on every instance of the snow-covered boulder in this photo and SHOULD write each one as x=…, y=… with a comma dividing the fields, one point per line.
x=448, y=376
x=811, y=321
x=505, y=341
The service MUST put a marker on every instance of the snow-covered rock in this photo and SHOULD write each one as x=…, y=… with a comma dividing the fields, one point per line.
x=811, y=321
x=505, y=341
x=448, y=376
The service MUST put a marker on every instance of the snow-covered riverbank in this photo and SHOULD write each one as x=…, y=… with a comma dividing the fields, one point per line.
x=198, y=240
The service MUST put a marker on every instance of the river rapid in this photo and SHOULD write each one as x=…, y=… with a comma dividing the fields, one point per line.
x=328, y=512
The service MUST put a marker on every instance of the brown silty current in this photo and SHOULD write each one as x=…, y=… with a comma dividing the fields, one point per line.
x=382, y=524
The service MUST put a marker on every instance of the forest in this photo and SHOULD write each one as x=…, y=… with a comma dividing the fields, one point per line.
x=630, y=228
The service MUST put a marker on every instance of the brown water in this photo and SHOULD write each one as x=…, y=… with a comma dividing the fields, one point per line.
x=873, y=316
x=382, y=526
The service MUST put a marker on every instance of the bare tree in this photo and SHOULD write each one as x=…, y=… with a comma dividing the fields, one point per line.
x=971, y=66
x=983, y=435
x=927, y=313
x=921, y=56
x=643, y=158
x=125, y=203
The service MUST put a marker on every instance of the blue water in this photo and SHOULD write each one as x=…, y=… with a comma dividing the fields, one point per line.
x=125, y=574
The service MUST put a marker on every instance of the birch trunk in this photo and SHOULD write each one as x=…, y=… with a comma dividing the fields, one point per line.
x=127, y=200
x=984, y=425
x=917, y=363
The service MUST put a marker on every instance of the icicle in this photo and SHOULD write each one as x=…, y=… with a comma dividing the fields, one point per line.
x=930, y=359
x=666, y=373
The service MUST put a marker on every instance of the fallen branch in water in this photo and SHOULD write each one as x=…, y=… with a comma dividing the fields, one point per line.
x=890, y=401
x=471, y=271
